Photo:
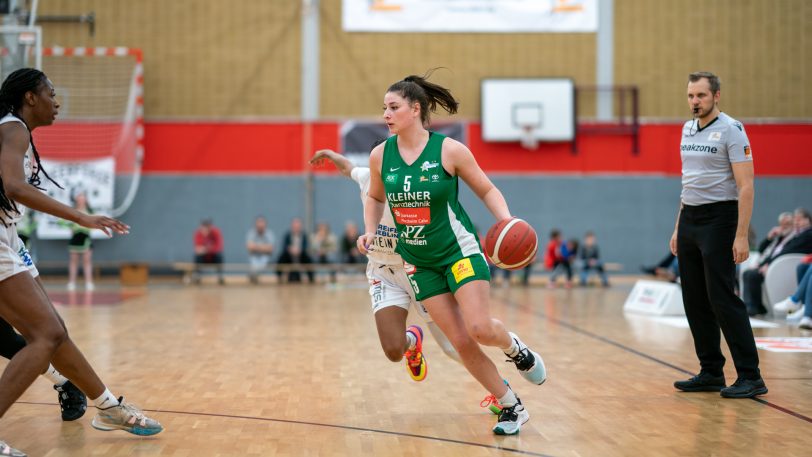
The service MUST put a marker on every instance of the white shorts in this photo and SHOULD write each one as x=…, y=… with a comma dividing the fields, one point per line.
x=14, y=256
x=389, y=286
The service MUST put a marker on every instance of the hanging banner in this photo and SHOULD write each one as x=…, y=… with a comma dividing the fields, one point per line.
x=94, y=178
x=470, y=16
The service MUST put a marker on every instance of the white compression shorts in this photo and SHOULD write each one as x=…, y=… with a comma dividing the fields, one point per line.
x=389, y=286
x=14, y=256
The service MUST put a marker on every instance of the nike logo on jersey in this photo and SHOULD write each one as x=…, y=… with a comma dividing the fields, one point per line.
x=394, y=169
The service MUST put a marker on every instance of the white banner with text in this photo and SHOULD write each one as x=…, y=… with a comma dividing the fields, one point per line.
x=470, y=16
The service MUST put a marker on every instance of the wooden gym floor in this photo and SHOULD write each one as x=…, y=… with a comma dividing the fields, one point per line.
x=298, y=371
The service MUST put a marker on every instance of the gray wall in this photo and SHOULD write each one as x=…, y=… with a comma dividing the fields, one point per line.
x=633, y=217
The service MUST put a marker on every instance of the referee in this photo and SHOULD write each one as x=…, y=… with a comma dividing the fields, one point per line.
x=710, y=237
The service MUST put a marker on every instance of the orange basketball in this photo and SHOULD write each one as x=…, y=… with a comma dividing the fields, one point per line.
x=511, y=244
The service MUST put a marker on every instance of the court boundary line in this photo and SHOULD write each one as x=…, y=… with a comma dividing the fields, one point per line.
x=335, y=426
x=622, y=346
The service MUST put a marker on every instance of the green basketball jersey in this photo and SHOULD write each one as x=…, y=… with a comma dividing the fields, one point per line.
x=433, y=229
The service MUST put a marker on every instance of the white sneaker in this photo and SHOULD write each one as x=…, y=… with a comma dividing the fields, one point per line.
x=89, y=286
x=71, y=286
x=127, y=417
x=5, y=449
x=797, y=315
x=511, y=419
x=806, y=323
x=786, y=306
x=529, y=363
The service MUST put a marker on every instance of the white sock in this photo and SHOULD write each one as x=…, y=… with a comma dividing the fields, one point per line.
x=411, y=339
x=516, y=345
x=509, y=399
x=54, y=376
x=106, y=400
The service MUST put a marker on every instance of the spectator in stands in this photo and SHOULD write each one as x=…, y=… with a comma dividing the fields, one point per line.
x=295, y=250
x=591, y=260
x=801, y=300
x=208, y=242
x=798, y=242
x=79, y=244
x=260, y=243
x=777, y=234
x=323, y=245
x=556, y=258
x=666, y=269
x=349, y=250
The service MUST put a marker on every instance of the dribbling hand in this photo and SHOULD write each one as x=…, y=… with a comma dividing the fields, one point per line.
x=106, y=224
x=364, y=242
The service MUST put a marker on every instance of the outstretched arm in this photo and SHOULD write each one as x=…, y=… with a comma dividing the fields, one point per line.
x=342, y=163
x=374, y=205
x=15, y=141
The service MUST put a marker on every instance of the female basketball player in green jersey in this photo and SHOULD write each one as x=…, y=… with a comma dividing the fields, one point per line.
x=417, y=172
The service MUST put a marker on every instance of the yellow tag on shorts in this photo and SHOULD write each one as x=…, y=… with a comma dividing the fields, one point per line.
x=462, y=269
x=435, y=280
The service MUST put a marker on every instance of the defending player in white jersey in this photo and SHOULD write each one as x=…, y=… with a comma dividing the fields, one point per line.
x=389, y=286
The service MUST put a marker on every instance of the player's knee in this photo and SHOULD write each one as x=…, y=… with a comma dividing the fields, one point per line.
x=51, y=335
x=392, y=350
x=482, y=333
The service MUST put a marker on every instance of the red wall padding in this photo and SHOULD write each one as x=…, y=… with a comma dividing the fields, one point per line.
x=257, y=148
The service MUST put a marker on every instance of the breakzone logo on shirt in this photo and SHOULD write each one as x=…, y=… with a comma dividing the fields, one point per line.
x=698, y=148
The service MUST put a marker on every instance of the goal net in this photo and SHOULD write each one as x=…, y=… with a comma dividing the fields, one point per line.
x=96, y=145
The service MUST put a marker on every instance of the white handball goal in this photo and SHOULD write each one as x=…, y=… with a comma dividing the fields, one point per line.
x=96, y=144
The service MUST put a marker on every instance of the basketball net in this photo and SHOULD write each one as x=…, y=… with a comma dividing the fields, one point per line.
x=528, y=138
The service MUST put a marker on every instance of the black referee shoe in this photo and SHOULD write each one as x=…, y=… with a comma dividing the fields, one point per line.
x=745, y=388
x=703, y=382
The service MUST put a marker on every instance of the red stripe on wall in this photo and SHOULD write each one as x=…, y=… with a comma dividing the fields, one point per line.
x=778, y=149
x=231, y=147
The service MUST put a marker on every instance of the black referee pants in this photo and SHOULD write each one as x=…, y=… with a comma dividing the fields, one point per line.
x=705, y=254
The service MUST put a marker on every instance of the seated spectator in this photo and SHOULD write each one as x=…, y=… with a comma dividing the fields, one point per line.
x=294, y=250
x=259, y=242
x=323, y=245
x=208, y=249
x=666, y=269
x=800, y=303
x=591, y=260
x=798, y=242
x=558, y=256
x=777, y=234
x=349, y=246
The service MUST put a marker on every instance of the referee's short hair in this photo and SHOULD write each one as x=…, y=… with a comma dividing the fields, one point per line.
x=715, y=83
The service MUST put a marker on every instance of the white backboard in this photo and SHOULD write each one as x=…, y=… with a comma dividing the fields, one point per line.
x=546, y=104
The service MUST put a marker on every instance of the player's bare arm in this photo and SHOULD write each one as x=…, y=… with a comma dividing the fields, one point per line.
x=14, y=144
x=459, y=159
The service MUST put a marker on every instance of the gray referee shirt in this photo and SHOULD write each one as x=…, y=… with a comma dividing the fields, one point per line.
x=707, y=153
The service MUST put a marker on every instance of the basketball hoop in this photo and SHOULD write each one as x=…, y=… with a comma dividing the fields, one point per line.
x=528, y=137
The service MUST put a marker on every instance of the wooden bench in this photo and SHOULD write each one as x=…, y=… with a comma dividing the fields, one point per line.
x=190, y=269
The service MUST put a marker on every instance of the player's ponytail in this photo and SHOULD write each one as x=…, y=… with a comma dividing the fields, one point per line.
x=418, y=89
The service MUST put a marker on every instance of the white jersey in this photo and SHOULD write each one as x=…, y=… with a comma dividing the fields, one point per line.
x=15, y=217
x=383, y=247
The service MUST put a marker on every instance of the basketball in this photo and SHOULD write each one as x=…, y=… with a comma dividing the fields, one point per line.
x=511, y=244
